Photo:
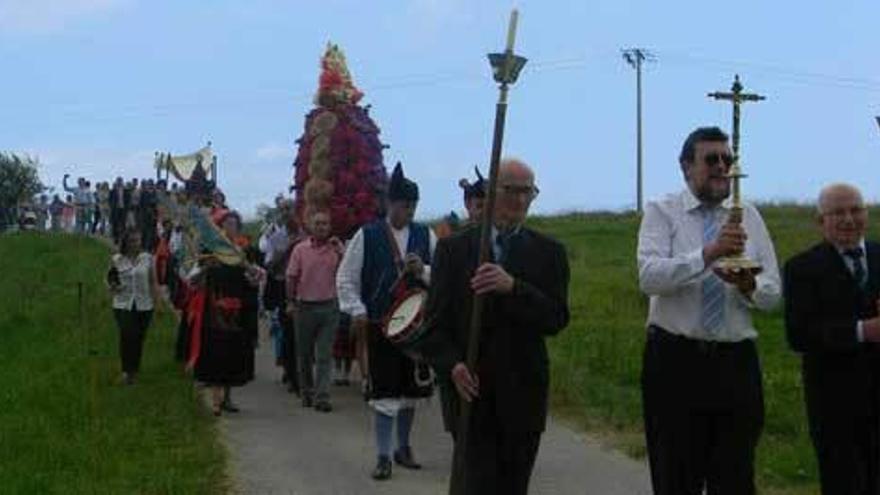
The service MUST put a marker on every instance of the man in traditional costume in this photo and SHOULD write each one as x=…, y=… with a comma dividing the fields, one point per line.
x=474, y=200
x=474, y=197
x=382, y=259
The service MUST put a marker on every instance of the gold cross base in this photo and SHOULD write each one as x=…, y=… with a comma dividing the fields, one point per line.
x=738, y=263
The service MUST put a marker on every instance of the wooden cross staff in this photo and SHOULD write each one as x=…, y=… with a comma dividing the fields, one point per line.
x=506, y=67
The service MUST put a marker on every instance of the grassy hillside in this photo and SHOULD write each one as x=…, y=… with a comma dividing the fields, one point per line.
x=66, y=425
x=597, y=361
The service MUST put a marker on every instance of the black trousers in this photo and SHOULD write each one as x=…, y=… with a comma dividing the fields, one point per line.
x=499, y=461
x=291, y=368
x=132, y=331
x=117, y=223
x=704, y=412
x=845, y=433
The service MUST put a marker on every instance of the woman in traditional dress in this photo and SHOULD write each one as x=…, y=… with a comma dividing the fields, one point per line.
x=224, y=331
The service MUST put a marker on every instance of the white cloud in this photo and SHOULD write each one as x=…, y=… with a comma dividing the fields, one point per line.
x=275, y=151
x=46, y=16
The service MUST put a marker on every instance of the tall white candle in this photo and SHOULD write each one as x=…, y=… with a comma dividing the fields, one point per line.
x=511, y=30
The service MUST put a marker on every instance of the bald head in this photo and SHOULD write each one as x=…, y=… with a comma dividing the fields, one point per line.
x=516, y=191
x=516, y=170
x=830, y=193
x=843, y=217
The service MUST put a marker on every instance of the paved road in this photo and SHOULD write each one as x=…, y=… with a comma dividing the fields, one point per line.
x=280, y=448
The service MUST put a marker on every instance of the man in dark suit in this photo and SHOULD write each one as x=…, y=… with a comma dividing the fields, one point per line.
x=831, y=319
x=120, y=199
x=526, y=289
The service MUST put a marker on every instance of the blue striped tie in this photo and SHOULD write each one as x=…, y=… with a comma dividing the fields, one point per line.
x=712, y=314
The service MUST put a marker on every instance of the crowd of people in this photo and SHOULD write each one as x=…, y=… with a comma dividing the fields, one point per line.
x=103, y=209
x=329, y=301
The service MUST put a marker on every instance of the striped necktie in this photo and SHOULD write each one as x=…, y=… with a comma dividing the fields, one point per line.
x=713, y=290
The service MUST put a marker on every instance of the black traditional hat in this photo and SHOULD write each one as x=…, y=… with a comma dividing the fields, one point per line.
x=477, y=189
x=401, y=188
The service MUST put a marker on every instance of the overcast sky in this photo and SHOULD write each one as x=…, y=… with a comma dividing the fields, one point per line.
x=95, y=87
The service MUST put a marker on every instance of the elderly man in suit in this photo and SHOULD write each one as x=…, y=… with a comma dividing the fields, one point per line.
x=526, y=287
x=831, y=319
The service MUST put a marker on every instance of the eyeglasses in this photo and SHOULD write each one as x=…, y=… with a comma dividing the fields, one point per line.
x=843, y=212
x=713, y=159
x=531, y=192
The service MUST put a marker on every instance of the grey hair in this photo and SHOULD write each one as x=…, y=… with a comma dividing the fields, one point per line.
x=832, y=188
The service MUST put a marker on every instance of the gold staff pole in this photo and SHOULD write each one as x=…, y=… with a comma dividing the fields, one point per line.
x=506, y=68
x=737, y=262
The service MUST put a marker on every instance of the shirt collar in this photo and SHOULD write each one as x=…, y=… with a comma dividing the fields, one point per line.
x=861, y=245
x=393, y=228
x=314, y=242
x=514, y=231
x=691, y=202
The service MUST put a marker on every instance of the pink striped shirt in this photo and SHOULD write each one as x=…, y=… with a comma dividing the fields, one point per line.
x=311, y=271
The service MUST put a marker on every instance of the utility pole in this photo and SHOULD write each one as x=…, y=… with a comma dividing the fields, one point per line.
x=635, y=57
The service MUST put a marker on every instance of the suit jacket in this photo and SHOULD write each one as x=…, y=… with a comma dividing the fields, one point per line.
x=823, y=305
x=513, y=362
x=114, y=199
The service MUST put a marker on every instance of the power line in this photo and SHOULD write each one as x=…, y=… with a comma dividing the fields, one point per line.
x=279, y=96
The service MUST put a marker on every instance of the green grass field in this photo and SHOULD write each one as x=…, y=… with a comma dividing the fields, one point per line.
x=66, y=425
x=597, y=361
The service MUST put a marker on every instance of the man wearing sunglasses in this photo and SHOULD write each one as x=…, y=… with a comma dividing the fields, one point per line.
x=526, y=290
x=701, y=380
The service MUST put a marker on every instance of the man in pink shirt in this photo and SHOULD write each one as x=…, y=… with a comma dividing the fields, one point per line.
x=311, y=296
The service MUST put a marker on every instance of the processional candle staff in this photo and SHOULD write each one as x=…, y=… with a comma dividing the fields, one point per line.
x=506, y=67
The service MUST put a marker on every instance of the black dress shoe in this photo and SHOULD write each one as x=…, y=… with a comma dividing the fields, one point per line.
x=383, y=469
x=323, y=406
x=293, y=388
x=404, y=458
x=228, y=406
x=307, y=401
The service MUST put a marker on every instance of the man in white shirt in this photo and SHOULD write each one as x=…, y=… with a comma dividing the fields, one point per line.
x=701, y=380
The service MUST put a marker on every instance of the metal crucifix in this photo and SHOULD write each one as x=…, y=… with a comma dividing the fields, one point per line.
x=737, y=98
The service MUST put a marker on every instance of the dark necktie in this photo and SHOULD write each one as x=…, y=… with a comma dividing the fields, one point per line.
x=858, y=271
x=502, y=245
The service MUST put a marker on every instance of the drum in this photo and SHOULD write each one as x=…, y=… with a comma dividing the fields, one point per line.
x=403, y=326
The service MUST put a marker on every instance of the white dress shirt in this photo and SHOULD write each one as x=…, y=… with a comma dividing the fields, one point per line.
x=274, y=242
x=134, y=291
x=348, y=278
x=348, y=288
x=671, y=269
